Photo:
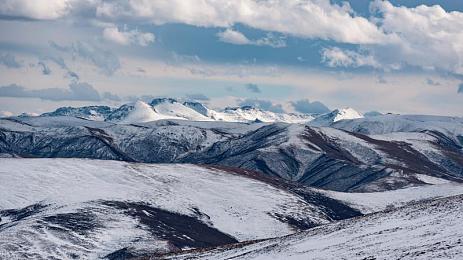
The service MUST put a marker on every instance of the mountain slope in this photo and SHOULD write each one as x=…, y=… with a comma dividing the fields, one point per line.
x=335, y=116
x=72, y=208
x=425, y=230
x=321, y=157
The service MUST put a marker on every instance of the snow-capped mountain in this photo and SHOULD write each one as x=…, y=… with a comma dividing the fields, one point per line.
x=262, y=190
x=324, y=157
x=335, y=116
x=252, y=114
x=97, y=113
x=169, y=108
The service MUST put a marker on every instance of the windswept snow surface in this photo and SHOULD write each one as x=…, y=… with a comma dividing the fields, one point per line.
x=402, y=123
x=425, y=230
x=77, y=208
x=369, y=202
x=143, y=112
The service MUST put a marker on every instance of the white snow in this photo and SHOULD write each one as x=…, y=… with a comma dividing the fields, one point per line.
x=403, y=123
x=179, y=111
x=236, y=205
x=143, y=112
x=429, y=230
x=252, y=114
x=335, y=116
x=369, y=202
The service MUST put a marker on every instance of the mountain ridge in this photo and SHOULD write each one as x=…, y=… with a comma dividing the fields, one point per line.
x=170, y=108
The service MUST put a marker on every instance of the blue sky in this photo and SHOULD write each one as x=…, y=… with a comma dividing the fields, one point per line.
x=389, y=56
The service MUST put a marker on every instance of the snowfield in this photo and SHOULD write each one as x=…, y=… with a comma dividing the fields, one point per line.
x=91, y=209
x=425, y=230
x=369, y=202
x=67, y=208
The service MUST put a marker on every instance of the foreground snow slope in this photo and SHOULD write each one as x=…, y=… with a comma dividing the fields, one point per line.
x=74, y=208
x=369, y=202
x=425, y=230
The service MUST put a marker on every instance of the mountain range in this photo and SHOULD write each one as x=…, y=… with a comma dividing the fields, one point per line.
x=176, y=180
x=169, y=108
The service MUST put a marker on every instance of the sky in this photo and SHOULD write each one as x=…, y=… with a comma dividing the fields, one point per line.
x=401, y=56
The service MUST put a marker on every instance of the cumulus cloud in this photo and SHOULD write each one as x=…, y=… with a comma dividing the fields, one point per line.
x=253, y=88
x=262, y=104
x=9, y=61
x=236, y=37
x=101, y=58
x=127, y=37
x=305, y=106
x=198, y=97
x=392, y=38
x=233, y=37
x=424, y=36
x=306, y=19
x=51, y=9
x=336, y=57
x=75, y=91
x=427, y=37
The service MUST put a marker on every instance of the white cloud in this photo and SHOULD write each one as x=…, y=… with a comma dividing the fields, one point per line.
x=42, y=10
x=427, y=37
x=306, y=19
x=394, y=37
x=126, y=37
x=104, y=59
x=336, y=57
x=235, y=37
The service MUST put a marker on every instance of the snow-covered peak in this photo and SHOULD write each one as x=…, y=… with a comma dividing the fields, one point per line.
x=198, y=107
x=253, y=114
x=97, y=113
x=141, y=112
x=345, y=113
x=158, y=101
x=170, y=108
x=173, y=109
x=336, y=115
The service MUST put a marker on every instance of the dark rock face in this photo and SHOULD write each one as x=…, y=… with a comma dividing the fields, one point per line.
x=338, y=160
x=180, y=230
x=16, y=215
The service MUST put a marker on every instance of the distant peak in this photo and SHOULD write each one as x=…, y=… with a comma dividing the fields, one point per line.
x=158, y=101
x=345, y=113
